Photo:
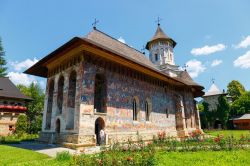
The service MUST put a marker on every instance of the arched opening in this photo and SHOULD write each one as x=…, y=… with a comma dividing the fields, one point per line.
x=217, y=124
x=99, y=131
x=167, y=113
x=100, y=93
x=58, y=126
x=60, y=94
x=71, y=100
x=49, y=105
x=147, y=108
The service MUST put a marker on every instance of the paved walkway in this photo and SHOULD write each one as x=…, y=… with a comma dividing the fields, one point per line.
x=51, y=149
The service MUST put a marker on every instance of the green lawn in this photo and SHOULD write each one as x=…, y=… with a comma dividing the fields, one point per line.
x=235, y=133
x=205, y=158
x=15, y=156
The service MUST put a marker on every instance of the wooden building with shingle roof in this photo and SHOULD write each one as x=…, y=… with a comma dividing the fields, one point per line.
x=12, y=104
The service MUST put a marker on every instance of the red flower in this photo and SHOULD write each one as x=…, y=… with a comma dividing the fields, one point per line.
x=129, y=159
x=100, y=162
x=217, y=139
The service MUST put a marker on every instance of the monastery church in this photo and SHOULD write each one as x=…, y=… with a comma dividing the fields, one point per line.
x=99, y=83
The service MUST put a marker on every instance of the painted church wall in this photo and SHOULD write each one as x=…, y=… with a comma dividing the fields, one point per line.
x=121, y=91
x=119, y=124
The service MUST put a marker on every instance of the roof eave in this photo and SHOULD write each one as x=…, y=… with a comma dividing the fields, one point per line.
x=39, y=69
x=153, y=40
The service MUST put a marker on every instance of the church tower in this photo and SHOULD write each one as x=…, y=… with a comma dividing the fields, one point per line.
x=161, y=52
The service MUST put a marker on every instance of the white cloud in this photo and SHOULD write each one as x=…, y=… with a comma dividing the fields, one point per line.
x=216, y=62
x=21, y=78
x=243, y=61
x=195, y=68
x=18, y=66
x=206, y=50
x=121, y=40
x=244, y=43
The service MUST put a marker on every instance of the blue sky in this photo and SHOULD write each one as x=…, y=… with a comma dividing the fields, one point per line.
x=207, y=32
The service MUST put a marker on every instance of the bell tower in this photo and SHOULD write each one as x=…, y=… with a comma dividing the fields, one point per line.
x=161, y=52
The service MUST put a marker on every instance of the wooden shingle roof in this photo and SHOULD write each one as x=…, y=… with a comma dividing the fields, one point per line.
x=9, y=90
x=160, y=35
x=112, y=45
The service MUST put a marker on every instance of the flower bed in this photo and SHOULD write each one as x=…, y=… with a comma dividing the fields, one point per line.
x=142, y=153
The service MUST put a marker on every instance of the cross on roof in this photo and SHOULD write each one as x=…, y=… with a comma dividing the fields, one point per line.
x=158, y=21
x=185, y=67
x=143, y=49
x=94, y=23
x=213, y=80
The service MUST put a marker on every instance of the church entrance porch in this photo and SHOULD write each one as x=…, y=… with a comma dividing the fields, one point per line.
x=99, y=127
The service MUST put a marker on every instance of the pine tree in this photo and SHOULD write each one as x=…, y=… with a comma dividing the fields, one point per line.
x=3, y=68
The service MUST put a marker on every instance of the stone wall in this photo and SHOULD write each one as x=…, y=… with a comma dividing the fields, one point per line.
x=212, y=101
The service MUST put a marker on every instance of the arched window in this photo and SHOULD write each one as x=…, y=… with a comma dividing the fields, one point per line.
x=156, y=57
x=49, y=105
x=135, y=111
x=72, y=90
x=167, y=113
x=147, y=111
x=100, y=93
x=60, y=94
x=71, y=100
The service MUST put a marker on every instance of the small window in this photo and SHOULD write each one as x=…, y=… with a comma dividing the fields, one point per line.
x=134, y=110
x=156, y=57
x=146, y=111
x=10, y=127
x=167, y=113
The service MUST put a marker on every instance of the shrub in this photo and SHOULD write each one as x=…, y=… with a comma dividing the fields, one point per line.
x=17, y=138
x=62, y=156
x=21, y=125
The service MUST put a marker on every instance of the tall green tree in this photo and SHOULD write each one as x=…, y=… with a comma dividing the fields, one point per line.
x=241, y=105
x=3, y=68
x=208, y=117
x=235, y=89
x=35, y=107
x=21, y=125
x=222, y=112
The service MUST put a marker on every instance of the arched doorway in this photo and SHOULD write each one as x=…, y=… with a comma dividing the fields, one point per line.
x=99, y=125
x=58, y=126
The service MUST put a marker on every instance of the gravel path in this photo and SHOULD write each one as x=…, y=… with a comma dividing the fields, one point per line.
x=51, y=149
